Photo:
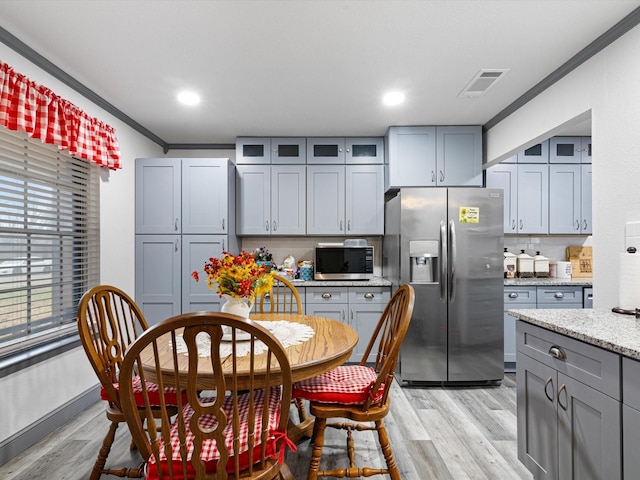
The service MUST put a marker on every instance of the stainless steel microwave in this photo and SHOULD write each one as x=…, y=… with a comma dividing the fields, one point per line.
x=343, y=263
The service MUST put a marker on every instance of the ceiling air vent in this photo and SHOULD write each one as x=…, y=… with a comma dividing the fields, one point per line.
x=482, y=81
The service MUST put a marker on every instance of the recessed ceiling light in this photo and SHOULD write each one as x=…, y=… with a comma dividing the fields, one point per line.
x=393, y=98
x=188, y=98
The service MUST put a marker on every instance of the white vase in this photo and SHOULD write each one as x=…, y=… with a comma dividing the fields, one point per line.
x=236, y=306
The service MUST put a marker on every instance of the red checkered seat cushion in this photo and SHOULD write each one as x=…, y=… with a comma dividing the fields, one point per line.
x=210, y=453
x=347, y=385
x=170, y=396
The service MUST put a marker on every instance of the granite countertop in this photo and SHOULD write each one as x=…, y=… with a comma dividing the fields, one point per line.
x=600, y=327
x=574, y=281
x=374, y=282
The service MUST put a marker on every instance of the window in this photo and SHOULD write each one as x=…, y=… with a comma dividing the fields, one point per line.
x=49, y=240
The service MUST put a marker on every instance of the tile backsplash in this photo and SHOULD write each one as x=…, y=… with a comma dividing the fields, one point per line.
x=551, y=246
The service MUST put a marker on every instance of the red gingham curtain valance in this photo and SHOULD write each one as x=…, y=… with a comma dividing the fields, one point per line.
x=34, y=109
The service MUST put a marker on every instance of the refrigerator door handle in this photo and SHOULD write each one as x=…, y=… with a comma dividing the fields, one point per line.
x=452, y=261
x=443, y=260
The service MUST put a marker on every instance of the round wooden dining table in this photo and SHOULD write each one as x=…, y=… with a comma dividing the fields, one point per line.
x=329, y=347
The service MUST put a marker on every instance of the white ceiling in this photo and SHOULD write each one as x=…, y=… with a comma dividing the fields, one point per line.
x=305, y=68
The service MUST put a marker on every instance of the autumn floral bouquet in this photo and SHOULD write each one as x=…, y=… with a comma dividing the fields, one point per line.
x=238, y=276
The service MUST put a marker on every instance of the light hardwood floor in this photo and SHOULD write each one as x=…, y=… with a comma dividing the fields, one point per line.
x=452, y=433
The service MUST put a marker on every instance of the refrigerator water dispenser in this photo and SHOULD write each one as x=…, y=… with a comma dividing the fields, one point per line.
x=423, y=255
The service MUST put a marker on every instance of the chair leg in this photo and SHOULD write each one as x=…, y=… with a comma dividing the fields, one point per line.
x=385, y=446
x=318, y=443
x=98, y=467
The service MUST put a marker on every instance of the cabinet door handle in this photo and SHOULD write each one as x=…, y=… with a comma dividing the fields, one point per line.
x=266, y=225
x=343, y=314
x=223, y=224
x=175, y=225
x=559, y=295
x=176, y=246
x=563, y=388
x=441, y=176
x=223, y=249
x=326, y=295
x=521, y=225
x=557, y=352
x=349, y=225
x=577, y=224
x=340, y=225
x=275, y=226
x=546, y=389
x=433, y=176
x=584, y=225
x=369, y=295
x=351, y=314
x=513, y=224
x=513, y=295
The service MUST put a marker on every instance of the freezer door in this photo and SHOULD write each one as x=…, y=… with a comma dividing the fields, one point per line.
x=423, y=355
x=476, y=320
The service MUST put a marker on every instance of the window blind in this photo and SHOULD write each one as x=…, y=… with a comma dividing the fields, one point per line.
x=49, y=240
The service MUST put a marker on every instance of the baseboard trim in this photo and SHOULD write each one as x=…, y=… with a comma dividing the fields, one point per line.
x=29, y=436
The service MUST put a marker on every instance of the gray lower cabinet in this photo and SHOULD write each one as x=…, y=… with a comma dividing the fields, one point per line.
x=360, y=307
x=559, y=296
x=630, y=418
x=164, y=286
x=568, y=404
x=514, y=297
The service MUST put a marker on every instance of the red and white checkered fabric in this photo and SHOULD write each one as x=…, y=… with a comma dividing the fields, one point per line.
x=170, y=396
x=210, y=453
x=34, y=109
x=347, y=385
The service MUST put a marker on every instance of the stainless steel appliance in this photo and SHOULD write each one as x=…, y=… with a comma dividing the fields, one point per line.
x=448, y=244
x=348, y=261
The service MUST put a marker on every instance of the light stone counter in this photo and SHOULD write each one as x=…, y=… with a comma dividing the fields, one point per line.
x=600, y=327
x=374, y=282
x=575, y=281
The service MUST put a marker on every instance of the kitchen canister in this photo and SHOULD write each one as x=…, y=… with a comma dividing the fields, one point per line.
x=563, y=270
x=524, y=264
x=509, y=264
x=540, y=265
x=306, y=271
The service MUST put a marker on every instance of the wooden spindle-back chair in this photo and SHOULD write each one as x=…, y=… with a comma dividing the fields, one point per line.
x=283, y=298
x=360, y=393
x=233, y=424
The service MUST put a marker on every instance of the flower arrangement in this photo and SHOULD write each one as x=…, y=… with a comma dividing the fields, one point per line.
x=238, y=276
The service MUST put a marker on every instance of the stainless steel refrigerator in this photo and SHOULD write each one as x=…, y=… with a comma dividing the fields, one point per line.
x=448, y=243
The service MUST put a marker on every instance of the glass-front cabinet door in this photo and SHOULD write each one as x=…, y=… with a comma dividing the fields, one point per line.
x=361, y=150
x=253, y=150
x=289, y=150
x=538, y=153
x=325, y=150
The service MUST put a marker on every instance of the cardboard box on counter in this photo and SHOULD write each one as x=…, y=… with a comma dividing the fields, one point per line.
x=581, y=259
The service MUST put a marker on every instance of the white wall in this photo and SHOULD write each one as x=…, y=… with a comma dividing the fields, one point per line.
x=29, y=395
x=607, y=87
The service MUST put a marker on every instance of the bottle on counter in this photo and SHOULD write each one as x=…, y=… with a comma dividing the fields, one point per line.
x=524, y=265
x=509, y=264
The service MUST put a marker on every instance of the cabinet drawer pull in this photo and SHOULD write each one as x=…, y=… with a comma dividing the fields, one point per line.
x=559, y=295
x=369, y=295
x=513, y=295
x=558, y=353
x=326, y=295
x=546, y=389
x=563, y=388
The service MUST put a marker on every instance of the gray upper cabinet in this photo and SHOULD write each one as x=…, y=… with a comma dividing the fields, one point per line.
x=538, y=153
x=433, y=156
x=326, y=150
x=459, y=156
x=570, y=199
x=526, y=196
x=158, y=196
x=253, y=150
x=271, y=200
x=345, y=200
x=266, y=150
x=176, y=195
x=570, y=150
x=364, y=150
x=533, y=198
x=326, y=200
